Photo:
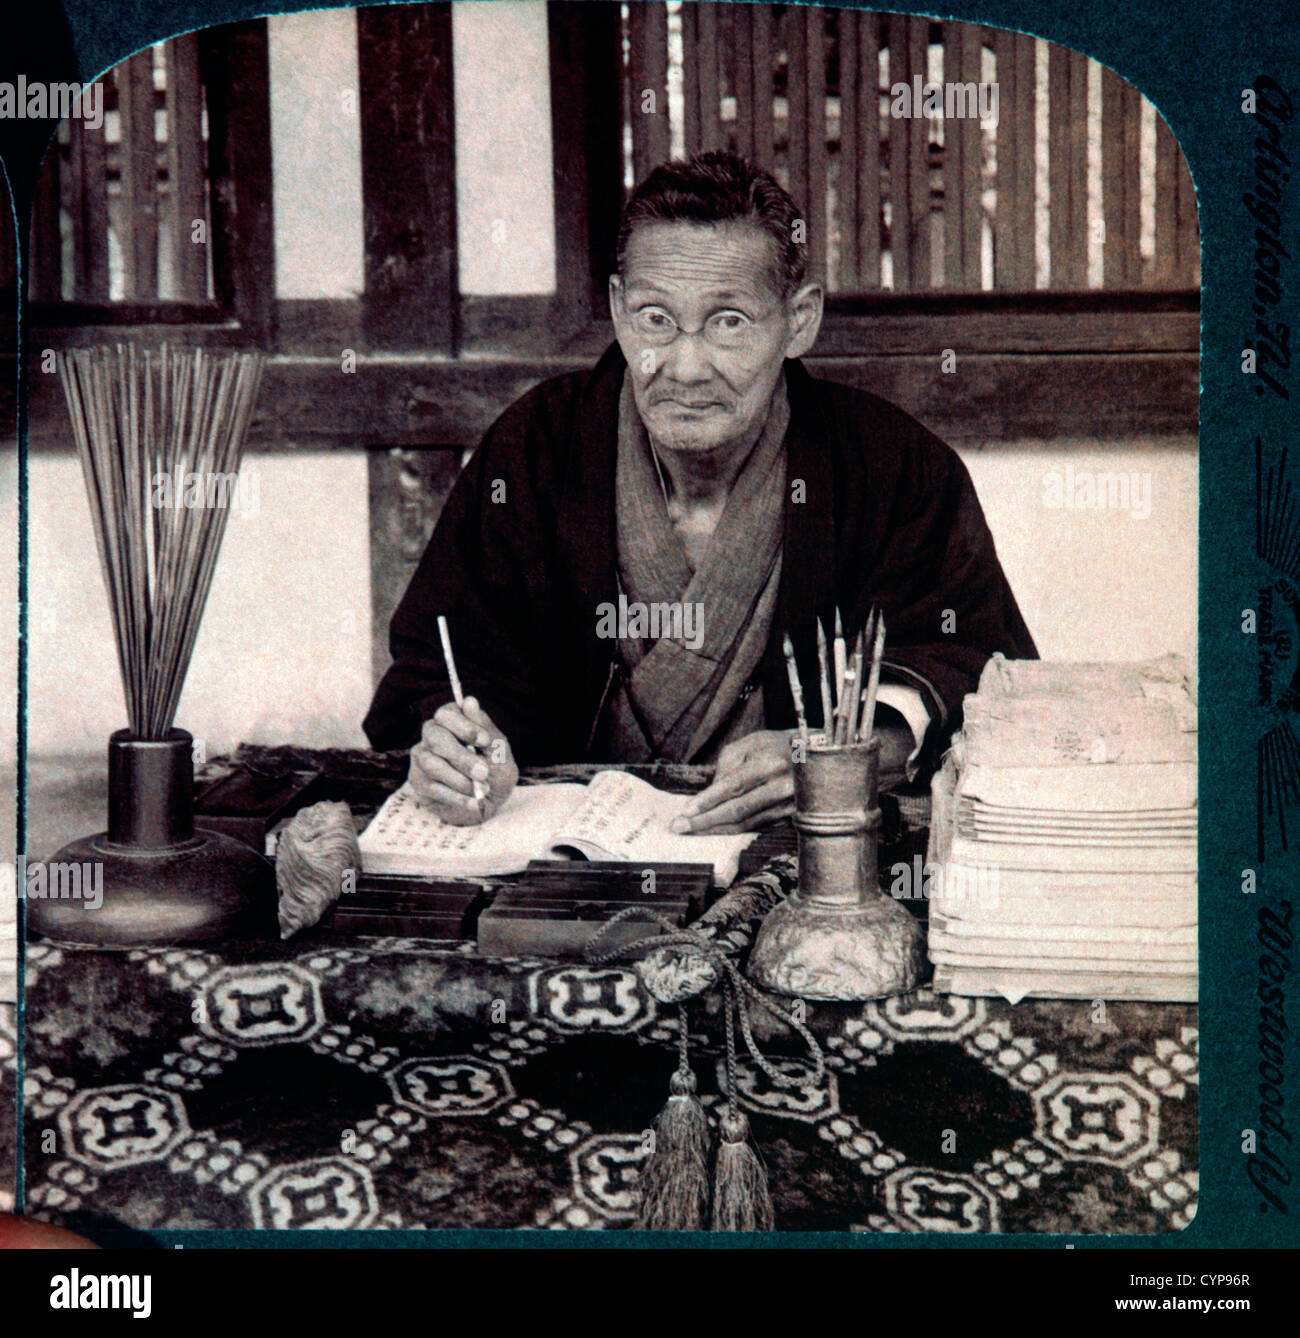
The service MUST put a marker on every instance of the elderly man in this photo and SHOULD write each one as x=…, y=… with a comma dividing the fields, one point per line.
x=622, y=556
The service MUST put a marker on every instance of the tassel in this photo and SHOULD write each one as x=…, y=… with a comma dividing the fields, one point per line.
x=673, y=1187
x=741, y=1201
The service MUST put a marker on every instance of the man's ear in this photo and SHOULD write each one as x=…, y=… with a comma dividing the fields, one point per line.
x=615, y=289
x=805, y=316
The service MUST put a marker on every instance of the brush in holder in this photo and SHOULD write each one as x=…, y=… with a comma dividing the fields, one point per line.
x=838, y=936
x=151, y=879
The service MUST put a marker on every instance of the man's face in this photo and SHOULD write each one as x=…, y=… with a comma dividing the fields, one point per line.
x=704, y=328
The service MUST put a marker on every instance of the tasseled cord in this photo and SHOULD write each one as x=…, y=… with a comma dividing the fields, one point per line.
x=741, y=1198
x=673, y=1184
x=673, y=1187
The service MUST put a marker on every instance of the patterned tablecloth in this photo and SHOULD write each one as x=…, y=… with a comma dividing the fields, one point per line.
x=407, y=1083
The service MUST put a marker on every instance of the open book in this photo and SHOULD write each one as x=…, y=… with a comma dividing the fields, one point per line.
x=613, y=817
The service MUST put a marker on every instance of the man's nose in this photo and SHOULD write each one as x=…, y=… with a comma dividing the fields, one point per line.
x=686, y=359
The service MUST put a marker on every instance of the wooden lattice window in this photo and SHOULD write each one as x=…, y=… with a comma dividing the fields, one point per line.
x=1078, y=185
x=161, y=213
x=131, y=195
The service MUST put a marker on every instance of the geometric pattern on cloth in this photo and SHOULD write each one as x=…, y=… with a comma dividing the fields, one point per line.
x=398, y=1083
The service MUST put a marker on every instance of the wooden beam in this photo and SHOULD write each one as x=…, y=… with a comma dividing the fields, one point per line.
x=815, y=81
x=408, y=176
x=306, y=404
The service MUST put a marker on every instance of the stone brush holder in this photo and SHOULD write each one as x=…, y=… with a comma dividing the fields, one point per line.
x=838, y=936
x=162, y=882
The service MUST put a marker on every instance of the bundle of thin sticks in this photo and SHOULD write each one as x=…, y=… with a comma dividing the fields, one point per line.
x=143, y=422
x=848, y=703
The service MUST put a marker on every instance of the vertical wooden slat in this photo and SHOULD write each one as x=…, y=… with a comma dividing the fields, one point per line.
x=1188, y=271
x=1177, y=239
x=648, y=39
x=185, y=166
x=815, y=43
x=690, y=79
x=962, y=214
x=138, y=156
x=847, y=276
x=87, y=203
x=1132, y=212
x=1078, y=64
x=796, y=94
x=918, y=162
x=1014, y=218
x=706, y=65
x=72, y=181
x=900, y=213
x=900, y=199
x=45, y=279
x=1068, y=166
x=657, y=78
x=1166, y=205
x=762, y=92
x=1120, y=181
x=740, y=55
x=636, y=74
x=867, y=165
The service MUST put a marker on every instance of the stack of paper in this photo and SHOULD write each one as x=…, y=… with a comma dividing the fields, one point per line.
x=1063, y=835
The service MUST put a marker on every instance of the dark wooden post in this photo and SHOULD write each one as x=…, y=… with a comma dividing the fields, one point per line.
x=587, y=155
x=408, y=175
x=233, y=60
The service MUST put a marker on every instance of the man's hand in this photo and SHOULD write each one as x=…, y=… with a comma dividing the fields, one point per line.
x=459, y=748
x=754, y=782
x=752, y=787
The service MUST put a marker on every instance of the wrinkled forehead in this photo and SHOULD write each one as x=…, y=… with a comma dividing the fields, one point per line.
x=698, y=261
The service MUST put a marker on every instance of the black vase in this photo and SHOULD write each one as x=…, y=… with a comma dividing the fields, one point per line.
x=152, y=880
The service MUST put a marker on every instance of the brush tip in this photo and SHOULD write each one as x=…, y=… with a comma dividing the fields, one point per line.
x=787, y=645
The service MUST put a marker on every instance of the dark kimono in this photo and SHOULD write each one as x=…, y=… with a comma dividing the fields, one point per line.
x=877, y=509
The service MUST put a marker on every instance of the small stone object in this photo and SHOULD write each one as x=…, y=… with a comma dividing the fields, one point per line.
x=313, y=856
